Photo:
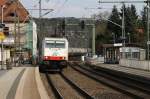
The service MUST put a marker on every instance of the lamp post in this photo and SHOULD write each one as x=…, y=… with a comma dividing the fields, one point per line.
x=3, y=6
x=129, y=38
x=148, y=32
x=113, y=34
x=2, y=21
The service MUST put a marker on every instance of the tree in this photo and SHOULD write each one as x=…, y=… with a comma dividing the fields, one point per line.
x=144, y=19
x=134, y=20
x=131, y=19
x=114, y=17
x=144, y=22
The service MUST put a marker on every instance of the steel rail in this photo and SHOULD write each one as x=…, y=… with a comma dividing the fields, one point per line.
x=54, y=89
x=76, y=87
x=132, y=82
x=122, y=80
x=141, y=84
x=108, y=82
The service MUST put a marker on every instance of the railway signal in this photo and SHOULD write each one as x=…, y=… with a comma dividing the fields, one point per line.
x=63, y=24
x=2, y=25
x=82, y=24
x=6, y=30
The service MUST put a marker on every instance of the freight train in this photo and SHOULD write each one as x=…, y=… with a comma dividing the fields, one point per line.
x=54, y=55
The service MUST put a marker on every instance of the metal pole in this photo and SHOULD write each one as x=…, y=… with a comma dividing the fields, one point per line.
x=15, y=38
x=148, y=28
x=2, y=40
x=2, y=55
x=129, y=38
x=19, y=39
x=87, y=43
x=40, y=9
x=2, y=13
x=123, y=31
x=40, y=37
x=2, y=31
x=113, y=34
x=93, y=41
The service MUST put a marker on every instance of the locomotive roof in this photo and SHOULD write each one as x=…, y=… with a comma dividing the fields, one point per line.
x=50, y=38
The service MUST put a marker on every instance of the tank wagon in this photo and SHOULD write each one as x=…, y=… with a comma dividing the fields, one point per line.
x=54, y=54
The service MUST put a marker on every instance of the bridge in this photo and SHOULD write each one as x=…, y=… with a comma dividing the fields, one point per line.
x=78, y=51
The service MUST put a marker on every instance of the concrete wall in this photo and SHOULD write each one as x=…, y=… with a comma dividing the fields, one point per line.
x=6, y=54
x=95, y=60
x=22, y=36
x=135, y=64
x=34, y=50
x=78, y=50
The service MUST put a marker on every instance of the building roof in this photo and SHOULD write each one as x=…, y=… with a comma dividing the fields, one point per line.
x=12, y=7
x=2, y=2
x=126, y=45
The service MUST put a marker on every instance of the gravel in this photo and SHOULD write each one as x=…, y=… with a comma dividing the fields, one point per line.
x=47, y=86
x=96, y=89
x=65, y=89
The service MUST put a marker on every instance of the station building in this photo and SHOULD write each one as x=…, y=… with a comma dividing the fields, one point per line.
x=21, y=37
x=113, y=53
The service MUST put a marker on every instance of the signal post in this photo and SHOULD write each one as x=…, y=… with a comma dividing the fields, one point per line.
x=2, y=37
x=83, y=24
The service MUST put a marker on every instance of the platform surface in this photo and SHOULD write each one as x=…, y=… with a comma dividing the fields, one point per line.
x=9, y=80
x=134, y=71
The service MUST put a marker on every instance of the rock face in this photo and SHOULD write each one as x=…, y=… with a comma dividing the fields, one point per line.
x=77, y=37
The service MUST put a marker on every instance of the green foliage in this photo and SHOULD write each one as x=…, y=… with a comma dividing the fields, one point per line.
x=144, y=19
x=111, y=28
x=144, y=22
x=132, y=23
x=131, y=18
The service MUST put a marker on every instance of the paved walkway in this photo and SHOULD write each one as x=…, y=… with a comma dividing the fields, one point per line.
x=2, y=72
x=27, y=88
x=126, y=69
x=7, y=80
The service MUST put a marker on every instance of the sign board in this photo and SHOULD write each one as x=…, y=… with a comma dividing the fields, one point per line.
x=8, y=40
x=129, y=49
x=148, y=42
x=2, y=36
x=118, y=44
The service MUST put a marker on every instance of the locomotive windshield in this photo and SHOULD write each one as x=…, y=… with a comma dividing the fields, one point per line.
x=55, y=44
x=60, y=44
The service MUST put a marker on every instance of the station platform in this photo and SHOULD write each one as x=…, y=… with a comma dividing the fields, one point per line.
x=133, y=71
x=22, y=83
x=9, y=80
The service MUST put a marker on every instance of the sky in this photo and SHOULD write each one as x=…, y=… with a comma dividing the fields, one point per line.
x=73, y=8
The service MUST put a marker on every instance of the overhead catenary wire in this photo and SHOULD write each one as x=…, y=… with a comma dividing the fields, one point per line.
x=123, y=1
x=123, y=17
x=61, y=7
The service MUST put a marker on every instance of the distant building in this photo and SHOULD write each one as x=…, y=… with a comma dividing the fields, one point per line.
x=16, y=18
x=114, y=52
x=79, y=39
x=31, y=41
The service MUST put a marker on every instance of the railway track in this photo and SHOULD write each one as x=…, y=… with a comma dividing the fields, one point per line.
x=139, y=83
x=129, y=87
x=66, y=87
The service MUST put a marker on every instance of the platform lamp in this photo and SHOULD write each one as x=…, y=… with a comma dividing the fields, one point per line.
x=129, y=38
x=113, y=34
x=2, y=26
x=2, y=9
